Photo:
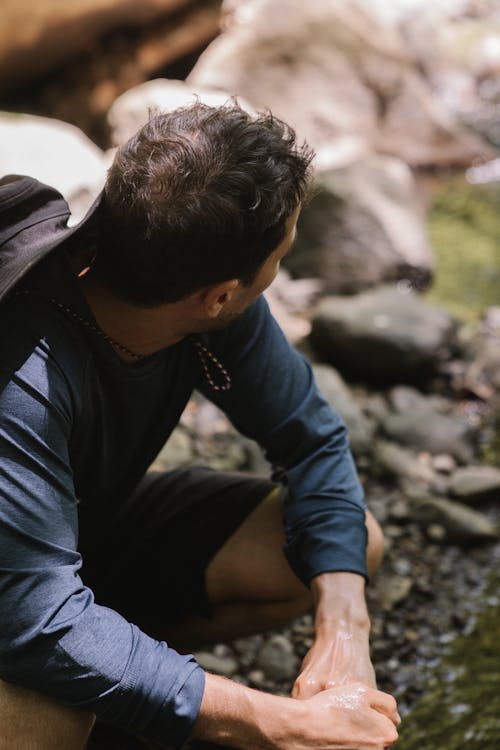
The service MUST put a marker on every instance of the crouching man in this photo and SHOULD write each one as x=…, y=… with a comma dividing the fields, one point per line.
x=110, y=574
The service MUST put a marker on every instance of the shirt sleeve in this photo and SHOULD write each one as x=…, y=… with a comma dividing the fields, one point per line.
x=274, y=400
x=54, y=638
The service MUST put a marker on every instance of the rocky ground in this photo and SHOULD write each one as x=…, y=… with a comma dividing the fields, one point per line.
x=419, y=452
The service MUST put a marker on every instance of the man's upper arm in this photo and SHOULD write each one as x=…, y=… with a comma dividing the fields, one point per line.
x=274, y=400
x=53, y=636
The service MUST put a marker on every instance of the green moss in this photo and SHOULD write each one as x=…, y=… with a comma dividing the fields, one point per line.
x=464, y=227
x=462, y=708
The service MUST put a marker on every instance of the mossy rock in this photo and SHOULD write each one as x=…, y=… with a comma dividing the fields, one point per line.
x=464, y=226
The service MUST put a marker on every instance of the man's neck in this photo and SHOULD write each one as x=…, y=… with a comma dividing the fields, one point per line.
x=141, y=330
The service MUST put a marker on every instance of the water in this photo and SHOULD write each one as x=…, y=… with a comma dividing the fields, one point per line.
x=462, y=708
x=464, y=228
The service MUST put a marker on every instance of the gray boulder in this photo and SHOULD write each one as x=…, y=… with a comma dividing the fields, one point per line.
x=331, y=69
x=364, y=225
x=387, y=334
x=130, y=111
x=56, y=153
x=424, y=429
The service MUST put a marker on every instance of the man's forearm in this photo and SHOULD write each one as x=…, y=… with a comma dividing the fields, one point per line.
x=340, y=653
x=237, y=716
x=339, y=600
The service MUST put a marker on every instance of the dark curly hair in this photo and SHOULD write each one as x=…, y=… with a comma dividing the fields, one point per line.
x=198, y=196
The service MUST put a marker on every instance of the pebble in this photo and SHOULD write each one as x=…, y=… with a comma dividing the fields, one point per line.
x=277, y=659
x=225, y=666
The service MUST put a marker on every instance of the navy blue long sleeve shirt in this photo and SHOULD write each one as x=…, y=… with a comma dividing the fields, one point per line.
x=79, y=425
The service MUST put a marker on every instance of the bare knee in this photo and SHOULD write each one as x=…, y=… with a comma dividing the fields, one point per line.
x=375, y=549
x=29, y=719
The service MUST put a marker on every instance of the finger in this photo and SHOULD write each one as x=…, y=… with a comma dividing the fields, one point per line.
x=305, y=688
x=385, y=704
x=388, y=732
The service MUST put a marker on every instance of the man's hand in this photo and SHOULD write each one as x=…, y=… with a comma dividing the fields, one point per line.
x=334, y=660
x=350, y=717
x=340, y=652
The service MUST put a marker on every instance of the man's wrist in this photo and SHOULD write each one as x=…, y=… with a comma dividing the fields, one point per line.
x=237, y=716
x=339, y=600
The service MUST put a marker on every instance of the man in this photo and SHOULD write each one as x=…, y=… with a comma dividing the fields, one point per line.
x=102, y=346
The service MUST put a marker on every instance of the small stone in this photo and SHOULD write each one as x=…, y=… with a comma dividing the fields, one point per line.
x=392, y=589
x=400, y=511
x=475, y=484
x=256, y=677
x=462, y=525
x=436, y=532
x=402, y=567
x=443, y=463
x=225, y=666
x=393, y=531
x=277, y=659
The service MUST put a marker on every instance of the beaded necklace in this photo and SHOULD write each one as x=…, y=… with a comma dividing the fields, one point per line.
x=205, y=356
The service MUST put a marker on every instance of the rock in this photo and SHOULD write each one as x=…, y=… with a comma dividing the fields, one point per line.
x=288, y=299
x=364, y=225
x=466, y=72
x=333, y=69
x=33, y=40
x=178, y=451
x=225, y=666
x=444, y=463
x=461, y=524
x=401, y=463
x=277, y=659
x=389, y=334
x=55, y=153
x=484, y=370
x=472, y=484
x=340, y=398
x=424, y=429
x=392, y=589
x=130, y=111
x=403, y=397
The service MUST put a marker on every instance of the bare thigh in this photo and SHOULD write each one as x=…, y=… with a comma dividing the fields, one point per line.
x=30, y=721
x=251, y=565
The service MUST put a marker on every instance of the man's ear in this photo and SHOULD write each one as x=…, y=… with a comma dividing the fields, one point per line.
x=215, y=298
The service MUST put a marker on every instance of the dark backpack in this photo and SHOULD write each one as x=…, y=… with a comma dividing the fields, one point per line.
x=33, y=222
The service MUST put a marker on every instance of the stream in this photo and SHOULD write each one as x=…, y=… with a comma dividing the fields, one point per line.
x=461, y=709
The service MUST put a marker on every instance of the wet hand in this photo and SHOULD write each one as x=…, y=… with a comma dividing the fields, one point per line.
x=335, y=659
x=349, y=717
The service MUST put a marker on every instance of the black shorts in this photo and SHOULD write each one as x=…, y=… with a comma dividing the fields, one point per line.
x=148, y=559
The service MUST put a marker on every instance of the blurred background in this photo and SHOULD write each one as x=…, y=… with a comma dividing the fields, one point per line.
x=393, y=290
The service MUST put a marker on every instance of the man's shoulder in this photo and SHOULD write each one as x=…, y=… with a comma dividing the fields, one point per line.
x=37, y=347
